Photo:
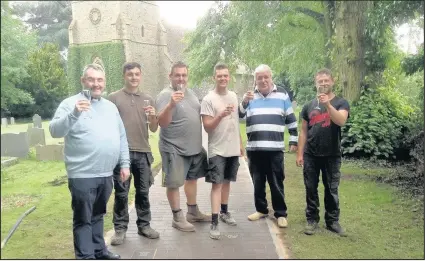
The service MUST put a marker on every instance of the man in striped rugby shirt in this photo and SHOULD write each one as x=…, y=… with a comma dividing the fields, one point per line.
x=268, y=111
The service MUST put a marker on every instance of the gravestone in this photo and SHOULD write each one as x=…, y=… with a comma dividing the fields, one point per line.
x=294, y=105
x=49, y=152
x=36, y=137
x=15, y=145
x=4, y=122
x=30, y=126
x=36, y=119
x=12, y=121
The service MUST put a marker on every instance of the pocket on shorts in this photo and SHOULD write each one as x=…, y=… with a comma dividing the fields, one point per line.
x=212, y=173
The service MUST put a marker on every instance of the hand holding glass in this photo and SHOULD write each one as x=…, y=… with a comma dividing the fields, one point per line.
x=230, y=108
x=146, y=103
x=320, y=90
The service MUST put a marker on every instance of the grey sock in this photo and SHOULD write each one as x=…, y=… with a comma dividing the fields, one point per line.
x=192, y=208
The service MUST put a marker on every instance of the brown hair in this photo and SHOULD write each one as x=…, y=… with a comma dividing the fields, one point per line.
x=220, y=66
x=178, y=64
x=131, y=65
x=325, y=71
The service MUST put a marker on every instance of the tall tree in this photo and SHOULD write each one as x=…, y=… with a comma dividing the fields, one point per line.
x=50, y=18
x=16, y=42
x=350, y=24
x=46, y=81
x=300, y=37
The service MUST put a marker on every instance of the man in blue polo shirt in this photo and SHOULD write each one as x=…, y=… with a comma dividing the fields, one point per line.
x=268, y=111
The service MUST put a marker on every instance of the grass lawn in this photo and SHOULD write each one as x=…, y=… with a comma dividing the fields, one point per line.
x=380, y=222
x=23, y=127
x=46, y=233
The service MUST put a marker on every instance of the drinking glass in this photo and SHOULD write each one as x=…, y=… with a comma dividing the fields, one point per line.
x=146, y=103
x=320, y=90
x=230, y=106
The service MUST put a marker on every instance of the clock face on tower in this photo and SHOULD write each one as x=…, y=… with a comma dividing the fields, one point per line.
x=95, y=16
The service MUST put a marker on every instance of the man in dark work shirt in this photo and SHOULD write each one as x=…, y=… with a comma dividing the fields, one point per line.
x=319, y=149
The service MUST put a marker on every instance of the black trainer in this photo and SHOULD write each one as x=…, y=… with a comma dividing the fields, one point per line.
x=336, y=228
x=310, y=228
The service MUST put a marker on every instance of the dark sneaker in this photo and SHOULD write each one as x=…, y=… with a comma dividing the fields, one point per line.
x=310, y=228
x=118, y=238
x=214, y=232
x=336, y=228
x=148, y=232
x=228, y=219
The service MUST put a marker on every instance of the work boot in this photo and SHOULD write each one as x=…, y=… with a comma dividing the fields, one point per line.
x=227, y=218
x=180, y=222
x=118, y=238
x=310, y=228
x=194, y=215
x=282, y=222
x=148, y=232
x=256, y=216
x=214, y=232
x=336, y=228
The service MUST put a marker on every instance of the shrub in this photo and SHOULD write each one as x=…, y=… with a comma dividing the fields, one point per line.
x=379, y=122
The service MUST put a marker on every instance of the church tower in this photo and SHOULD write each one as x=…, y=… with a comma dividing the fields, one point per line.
x=131, y=26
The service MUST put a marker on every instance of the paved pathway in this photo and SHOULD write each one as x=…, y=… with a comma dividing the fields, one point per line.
x=247, y=240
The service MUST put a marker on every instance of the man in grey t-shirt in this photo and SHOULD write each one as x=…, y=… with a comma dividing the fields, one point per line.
x=180, y=145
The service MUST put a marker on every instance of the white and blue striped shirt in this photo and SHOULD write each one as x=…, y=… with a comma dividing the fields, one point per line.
x=266, y=119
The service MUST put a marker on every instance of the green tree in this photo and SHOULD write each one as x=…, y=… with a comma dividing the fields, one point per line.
x=16, y=42
x=299, y=37
x=46, y=82
x=50, y=19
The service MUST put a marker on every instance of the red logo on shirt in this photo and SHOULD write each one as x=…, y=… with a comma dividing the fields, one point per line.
x=318, y=117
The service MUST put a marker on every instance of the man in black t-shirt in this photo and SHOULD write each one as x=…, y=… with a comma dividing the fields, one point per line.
x=320, y=150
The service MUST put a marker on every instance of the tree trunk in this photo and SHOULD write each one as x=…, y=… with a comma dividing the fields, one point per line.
x=350, y=22
x=329, y=16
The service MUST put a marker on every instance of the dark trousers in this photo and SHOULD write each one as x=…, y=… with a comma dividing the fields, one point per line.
x=89, y=199
x=330, y=167
x=268, y=165
x=140, y=168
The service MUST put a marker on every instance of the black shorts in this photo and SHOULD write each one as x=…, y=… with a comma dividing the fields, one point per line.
x=222, y=169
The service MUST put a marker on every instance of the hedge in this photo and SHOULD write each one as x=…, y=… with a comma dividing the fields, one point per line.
x=112, y=56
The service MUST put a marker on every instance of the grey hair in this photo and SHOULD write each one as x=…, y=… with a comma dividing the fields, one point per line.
x=263, y=68
x=93, y=66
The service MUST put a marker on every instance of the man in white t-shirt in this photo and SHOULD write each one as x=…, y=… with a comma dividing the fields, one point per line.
x=221, y=122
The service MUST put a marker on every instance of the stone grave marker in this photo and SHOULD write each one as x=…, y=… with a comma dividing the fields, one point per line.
x=36, y=136
x=15, y=145
x=36, y=119
x=4, y=122
x=12, y=121
x=49, y=152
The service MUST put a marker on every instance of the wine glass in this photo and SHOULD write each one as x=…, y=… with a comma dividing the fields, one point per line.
x=146, y=103
x=320, y=90
x=179, y=87
x=230, y=107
